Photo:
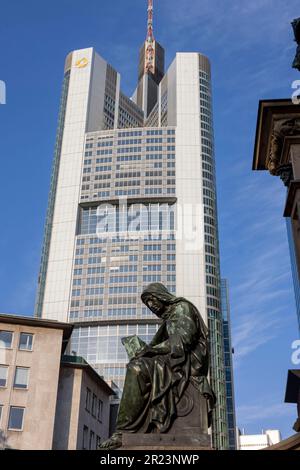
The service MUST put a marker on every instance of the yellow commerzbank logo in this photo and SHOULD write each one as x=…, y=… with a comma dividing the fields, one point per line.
x=81, y=63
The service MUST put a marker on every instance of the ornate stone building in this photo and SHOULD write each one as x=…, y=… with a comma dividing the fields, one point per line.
x=277, y=150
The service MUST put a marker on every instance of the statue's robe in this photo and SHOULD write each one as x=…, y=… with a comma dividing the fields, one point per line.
x=157, y=378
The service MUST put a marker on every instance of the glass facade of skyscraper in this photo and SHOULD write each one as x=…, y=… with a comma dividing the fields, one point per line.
x=295, y=274
x=230, y=402
x=119, y=253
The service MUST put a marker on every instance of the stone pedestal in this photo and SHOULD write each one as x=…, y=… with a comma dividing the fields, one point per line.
x=175, y=442
x=189, y=430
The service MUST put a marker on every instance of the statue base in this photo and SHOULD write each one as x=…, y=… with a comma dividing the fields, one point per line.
x=188, y=432
x=170, y=442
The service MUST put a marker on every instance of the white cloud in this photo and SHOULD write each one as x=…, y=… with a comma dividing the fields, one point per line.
x=256, y=258
x=253, y=331
x=264, y=411
x=220, y=20
x=260, y=300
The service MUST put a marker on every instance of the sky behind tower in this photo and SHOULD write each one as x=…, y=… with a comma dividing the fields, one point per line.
x=250, y=45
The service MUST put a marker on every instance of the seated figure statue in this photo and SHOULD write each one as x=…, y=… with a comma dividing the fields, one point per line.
x=159, y=374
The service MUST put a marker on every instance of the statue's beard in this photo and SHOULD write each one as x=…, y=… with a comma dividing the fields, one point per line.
x=157, y=310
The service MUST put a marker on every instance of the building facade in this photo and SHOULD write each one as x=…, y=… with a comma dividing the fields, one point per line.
x=277, y=150
x=133, y=201
x=46, y=403
x=228, y=351
x=82, y=417
x=258, y=441
x=30, y=353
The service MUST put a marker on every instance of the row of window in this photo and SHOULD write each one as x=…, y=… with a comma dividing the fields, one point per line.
x=94, y=405
x=123, y=248
x=90, y=441
x=117, y=289
x=155, y=165
x=25, y=340
x=130, y=279
x=128, y=158
x=112, y=312
x=150, y=132
x=21, y=377
x=127, y=268
x=128, y=192
x=124, y=312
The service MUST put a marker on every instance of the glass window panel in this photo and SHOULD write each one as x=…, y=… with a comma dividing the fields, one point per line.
x=6, y=338
x=21, y=377
x=16, y=417
x=88, y=400
x=94, y=405
x=85, y=437
x=92, y=438
x=100, y=409
x=26, y=342
x=3, y=376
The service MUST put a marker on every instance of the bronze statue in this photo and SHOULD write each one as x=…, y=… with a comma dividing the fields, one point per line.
x=296, y=28
x=159, y=374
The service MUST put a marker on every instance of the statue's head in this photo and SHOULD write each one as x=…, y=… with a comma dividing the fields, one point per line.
x=157, y=298
x=155, y=305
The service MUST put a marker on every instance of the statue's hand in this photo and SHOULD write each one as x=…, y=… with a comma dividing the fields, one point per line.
x=113, y=443
x=145, y=352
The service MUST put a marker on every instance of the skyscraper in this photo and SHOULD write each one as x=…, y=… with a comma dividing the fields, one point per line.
x=133, y=201
x=230, y=402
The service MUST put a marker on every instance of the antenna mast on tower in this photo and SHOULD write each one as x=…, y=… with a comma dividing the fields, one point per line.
x=150, y=52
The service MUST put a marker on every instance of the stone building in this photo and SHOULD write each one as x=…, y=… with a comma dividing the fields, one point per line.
x=83, y=407
x=277, y=150
x=258, y=441
x=43, y=395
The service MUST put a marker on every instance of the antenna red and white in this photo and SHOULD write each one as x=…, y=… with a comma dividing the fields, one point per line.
x=150, y=36
x=150, y=51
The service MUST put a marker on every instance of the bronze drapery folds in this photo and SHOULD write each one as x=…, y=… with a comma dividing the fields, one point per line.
x=158, y=374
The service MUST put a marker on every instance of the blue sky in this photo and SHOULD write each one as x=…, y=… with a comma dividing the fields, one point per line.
x=251, y=48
